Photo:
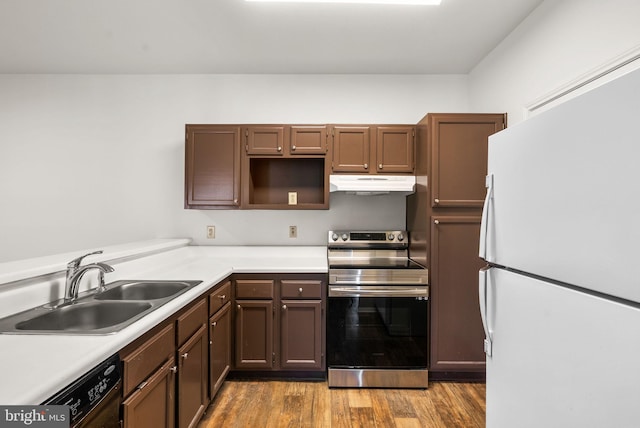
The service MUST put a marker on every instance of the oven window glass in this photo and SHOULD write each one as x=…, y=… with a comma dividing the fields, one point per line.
x=377, y=332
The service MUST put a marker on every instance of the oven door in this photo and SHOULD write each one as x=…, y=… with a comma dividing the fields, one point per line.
x=377, y=327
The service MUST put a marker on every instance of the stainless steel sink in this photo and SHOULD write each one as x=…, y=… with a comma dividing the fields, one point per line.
x=119, y=305
x=143, y=290
x=86, y=316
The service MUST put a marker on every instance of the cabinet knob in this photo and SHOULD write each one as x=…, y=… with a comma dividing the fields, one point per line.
x=238, y=306
x=213, y=324
x=366, y=166
x=174, y=369
x=379, y=166
x=284, y=307
x=300, y=290
x=436, y=200
x=436, y=221
x=279, y=148
x=185, y=355
x=222, y=297
x=293, y=147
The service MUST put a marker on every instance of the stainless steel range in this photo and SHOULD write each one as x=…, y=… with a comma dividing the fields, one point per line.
x=377, y=320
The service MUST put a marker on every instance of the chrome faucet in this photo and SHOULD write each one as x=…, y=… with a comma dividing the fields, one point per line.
x=75, y=272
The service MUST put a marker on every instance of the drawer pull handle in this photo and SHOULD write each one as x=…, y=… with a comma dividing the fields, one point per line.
x=185, y=355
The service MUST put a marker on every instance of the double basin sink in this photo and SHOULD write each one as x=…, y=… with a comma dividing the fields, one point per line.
x=120, y=304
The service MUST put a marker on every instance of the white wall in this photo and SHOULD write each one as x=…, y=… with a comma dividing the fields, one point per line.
x=94, y=160
x=560, y=42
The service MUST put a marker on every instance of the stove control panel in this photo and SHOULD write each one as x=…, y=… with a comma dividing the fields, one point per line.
x=367, y=238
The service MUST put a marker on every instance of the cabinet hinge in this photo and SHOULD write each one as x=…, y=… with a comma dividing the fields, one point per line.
x=273, y=358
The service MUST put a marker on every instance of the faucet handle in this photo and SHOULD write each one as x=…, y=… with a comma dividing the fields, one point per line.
x=73, y=264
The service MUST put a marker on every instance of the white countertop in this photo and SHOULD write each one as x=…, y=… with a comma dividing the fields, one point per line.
x=37, y=366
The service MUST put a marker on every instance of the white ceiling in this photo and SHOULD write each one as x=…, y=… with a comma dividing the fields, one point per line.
x=232, y=36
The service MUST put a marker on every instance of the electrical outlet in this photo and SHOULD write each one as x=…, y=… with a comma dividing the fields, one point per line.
x=293, y=198
x=293, y=231
x=211, y=232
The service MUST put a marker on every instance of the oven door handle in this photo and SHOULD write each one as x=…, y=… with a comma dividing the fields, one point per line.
x=372, y=291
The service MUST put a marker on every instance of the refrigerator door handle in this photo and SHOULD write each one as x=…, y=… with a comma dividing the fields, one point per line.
x=484, y=223
x=483, y=278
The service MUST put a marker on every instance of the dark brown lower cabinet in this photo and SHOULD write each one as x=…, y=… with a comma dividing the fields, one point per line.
x=160, y=390
x=153, y=403
x=301, y=334
x=456, y=328
x=219, y=348
x=279, y=322
x=192, y=379
x=254, y=334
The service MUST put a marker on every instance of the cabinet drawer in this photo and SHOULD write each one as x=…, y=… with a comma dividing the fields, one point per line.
x=219, y=297
x=254, y=289
x=138, y=365
x=301, y=289
x=191, y=321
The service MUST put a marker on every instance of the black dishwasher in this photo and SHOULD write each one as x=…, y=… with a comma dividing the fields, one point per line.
x=94, y=399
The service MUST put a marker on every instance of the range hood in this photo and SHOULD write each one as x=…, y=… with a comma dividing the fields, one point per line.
x=372, y=184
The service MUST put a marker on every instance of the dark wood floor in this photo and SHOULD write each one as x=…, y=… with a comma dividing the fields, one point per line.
x=268, y=404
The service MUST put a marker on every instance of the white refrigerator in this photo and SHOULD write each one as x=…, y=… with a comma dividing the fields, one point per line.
x=560, y=298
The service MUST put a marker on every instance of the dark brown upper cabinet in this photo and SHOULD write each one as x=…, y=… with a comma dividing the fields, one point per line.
x=212, y=166
x=351, y=146
x=265, y=140
x=284, y=167
x=373, y=149
x=285, y=140
x=395, y=149
x=459, y=157
x=308, y=140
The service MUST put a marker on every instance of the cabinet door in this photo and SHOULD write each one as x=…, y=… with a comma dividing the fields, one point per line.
x=192, y=379
x=308, y=140
x=301, y=334
x=219, y=348
x=395, y=149
x=456, y=327
x=212, y=166
x=254, y=334
x=153, y=404
x=265, y=140
x=459, y=145
x=351, y=149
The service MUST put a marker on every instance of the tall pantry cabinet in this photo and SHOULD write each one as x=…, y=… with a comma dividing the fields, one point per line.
x=443, y=218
